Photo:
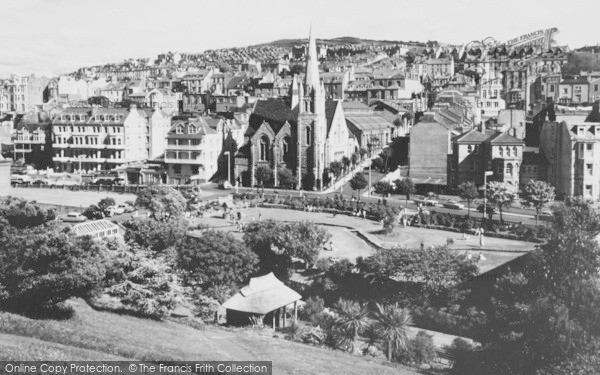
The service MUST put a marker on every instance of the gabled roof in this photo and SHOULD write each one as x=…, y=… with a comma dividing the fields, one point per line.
x=504, y=139
x=274, y=111
x=91, y=227
x=474, y=136
x=330, y=108
x=262, y=295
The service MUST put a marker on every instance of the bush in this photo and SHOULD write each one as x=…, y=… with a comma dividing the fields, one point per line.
x=312, y=308
x=420, y=349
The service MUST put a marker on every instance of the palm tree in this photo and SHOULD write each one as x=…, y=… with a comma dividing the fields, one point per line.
x=371, y=338
x=392, y=326
x=352, y=319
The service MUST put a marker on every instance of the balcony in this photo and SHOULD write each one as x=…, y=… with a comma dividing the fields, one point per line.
x=196, y=161
x=184, y=147
x=35, y=141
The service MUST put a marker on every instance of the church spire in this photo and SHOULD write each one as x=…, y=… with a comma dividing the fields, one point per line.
x=312, y=64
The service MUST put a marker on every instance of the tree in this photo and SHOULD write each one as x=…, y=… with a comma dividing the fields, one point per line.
x=538, y=194
x=355, y=158
x=405, y=186
x=162, y=201
x=392, y=325
x=215, y=259
x=137, y=282
x=500, y=194
x=276, y=243
x=21, y=213
x=286, y=178
x=468, y=191
x=336, y=168
x=45, y=265
x=105, y=203
x=346, y=162
x=157, y=236
x=264, y=175
x=385, y=156
x=351, y=321
x=93, y=213
x=377, y=163
x=383, y=187
x=358, y=182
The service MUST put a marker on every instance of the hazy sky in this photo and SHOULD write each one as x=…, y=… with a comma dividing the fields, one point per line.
x=57, y=36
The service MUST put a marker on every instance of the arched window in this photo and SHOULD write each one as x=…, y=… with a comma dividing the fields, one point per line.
x=515, y=150
x=285, y=147
x=264, y=149
x=469, y=149
x=509, y=169
x=501, y=149
x=508, y=151
x=308, y=135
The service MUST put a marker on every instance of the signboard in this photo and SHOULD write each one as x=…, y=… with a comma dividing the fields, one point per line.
x=539, y=37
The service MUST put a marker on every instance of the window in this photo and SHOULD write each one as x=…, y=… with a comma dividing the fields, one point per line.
x=177, y=168
x=501, y=150
x=589, y=169
x=191, y=129
x=551, y=88
x=179, y=129
x=588, y=190
x=285, y=146
x=264, y=149
x=308, y=135
x=515, y=150
x=495, y=104
x=509, y=169
x=469, y=149
x=499, y=169
x=508, y=151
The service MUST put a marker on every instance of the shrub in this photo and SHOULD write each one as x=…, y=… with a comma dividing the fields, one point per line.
x=312, y=308
x=420, y=349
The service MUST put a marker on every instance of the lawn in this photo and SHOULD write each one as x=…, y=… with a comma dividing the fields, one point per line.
x=94, y=335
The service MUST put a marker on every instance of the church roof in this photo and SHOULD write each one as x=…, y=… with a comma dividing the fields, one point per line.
x=274, y=111
x=330, y=108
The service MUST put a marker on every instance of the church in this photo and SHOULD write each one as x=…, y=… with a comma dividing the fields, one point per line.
x=303, y=133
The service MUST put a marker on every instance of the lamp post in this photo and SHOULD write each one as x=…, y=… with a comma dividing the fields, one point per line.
x=80, y=157
x=228, y=153
x=485, y=174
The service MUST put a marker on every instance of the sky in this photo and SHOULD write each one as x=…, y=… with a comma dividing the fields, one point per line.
x=52, y=37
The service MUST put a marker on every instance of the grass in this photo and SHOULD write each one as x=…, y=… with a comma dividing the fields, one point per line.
x=95, y=335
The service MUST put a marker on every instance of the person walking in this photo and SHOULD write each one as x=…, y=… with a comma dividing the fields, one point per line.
x=481, y=238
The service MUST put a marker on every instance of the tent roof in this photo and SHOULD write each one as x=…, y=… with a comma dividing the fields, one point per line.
x=262, y=295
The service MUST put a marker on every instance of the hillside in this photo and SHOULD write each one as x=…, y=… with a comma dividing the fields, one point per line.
x=93, y=335
x=345, y=40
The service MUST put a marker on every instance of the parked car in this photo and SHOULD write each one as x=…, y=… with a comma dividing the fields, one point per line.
x=42, y=182
x=73, y=217
x=127, y=207
x=454, y=205
x=426, y=201
x=225, y=185
x=116, y=210
x=20, y=179
x=108, y=181
x=489, y=208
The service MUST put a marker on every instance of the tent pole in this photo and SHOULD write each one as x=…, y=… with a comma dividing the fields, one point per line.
x=284, y=310
x=295, y=311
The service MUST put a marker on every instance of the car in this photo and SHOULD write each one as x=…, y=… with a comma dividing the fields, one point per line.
x=225, y=185
x=116, y=210
x=21, y=179
x=426, y=201
x=74, y=217
x=127, y=208
x=489, y=208
x=42, y=182
x=454, y=205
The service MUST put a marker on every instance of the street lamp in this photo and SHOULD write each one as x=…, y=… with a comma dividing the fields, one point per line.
x=80, y=157
x=369, y=188
x=485, y=174
x=228, y=153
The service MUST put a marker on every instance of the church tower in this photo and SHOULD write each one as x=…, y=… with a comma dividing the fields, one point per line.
x=312, y=123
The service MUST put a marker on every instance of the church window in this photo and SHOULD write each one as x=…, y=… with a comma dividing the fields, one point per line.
x=285, y=146
x=264, y=149
x=308, y=135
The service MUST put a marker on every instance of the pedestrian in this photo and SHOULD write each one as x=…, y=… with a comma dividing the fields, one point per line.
x=334, y=214
x=481, y=239
x=422, y=245
x=364, y=214
x=259, y=215
x=239, y=215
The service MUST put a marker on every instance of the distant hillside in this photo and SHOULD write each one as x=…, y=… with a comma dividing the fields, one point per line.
x=289, y=43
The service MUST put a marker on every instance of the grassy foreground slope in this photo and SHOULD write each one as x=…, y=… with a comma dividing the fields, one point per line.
x=94, y=335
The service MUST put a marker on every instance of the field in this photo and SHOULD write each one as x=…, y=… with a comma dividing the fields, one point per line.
x=93, y=335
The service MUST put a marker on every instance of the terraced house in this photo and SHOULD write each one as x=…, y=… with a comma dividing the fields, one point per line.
x=98, y=139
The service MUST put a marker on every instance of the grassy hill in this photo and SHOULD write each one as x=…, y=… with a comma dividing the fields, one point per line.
x=289, y=43
x=94, y=335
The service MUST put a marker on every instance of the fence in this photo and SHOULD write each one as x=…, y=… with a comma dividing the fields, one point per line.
x=127, y=189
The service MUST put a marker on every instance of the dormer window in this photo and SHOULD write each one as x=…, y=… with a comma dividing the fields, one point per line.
x=179, y=129
x=97, y=118
x=82, y=117
x=191, y=129
x=63, y=118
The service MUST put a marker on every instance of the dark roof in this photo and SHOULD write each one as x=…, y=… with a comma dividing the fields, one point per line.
x=474, y=136
x=505, y=138
x=330, y=107
x=273, y=111
x=594, y=115
x=532, y=158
